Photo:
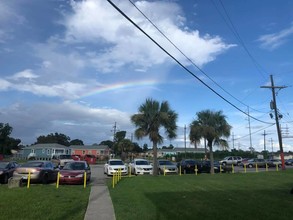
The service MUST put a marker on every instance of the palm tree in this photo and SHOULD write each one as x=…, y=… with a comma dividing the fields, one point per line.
x=151, y=117
x=211, y=126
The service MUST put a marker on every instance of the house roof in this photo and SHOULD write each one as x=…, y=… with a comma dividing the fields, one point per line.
x=49, y=145
x=88, y=147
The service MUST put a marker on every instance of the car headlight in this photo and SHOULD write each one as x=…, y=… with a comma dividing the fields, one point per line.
x=110, y=168
x=61, y=175
x=79, y=175
x=1, y=172
x=139, y=168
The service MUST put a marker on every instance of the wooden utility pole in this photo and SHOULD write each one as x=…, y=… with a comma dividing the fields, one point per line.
x=274, y=107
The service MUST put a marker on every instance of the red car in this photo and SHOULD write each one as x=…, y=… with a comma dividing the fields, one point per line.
x=73, y=173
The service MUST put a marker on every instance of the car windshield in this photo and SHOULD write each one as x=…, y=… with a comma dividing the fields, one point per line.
x=142, y=162
x=65, y=157
x=116, y=162
x=190, y=162
x=74, y=166
x=33, y=164
x=165, y=162
x=3, y=165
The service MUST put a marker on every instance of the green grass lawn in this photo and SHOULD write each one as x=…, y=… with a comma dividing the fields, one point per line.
x=263, y=195
x=43, y=202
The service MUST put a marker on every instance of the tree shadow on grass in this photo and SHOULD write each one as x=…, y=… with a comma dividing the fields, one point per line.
x=216, y=204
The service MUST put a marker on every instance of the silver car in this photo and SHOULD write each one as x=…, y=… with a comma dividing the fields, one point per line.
x=167, y=167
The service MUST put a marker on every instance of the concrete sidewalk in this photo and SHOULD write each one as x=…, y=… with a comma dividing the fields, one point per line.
x=100, y=206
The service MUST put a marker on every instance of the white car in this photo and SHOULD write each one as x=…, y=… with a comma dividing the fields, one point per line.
x=140, y=166
x=114, y=165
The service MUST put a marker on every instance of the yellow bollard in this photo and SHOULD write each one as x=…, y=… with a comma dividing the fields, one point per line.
x=58, y=177
x=120, y=174
x=180, y=170
x=277, y=168
x=29, y=179
x=244, y=168
x=164, y=170
x=233, y=168
x=256, y=169
x=113, y=181
x=84, y=180
x=129, y=171
x=116, y=177
x=195, y=170
x=267, y=167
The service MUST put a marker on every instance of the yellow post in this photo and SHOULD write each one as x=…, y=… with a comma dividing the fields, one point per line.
x=256, y=169
x=233, y=168
x=129, y=171
x=113, y=180
x=120, y=174
x=277, y=168
x=115, y=177
x=84, y=180
x=28, y=179
x=267, y=167
x=58, y=177
x=164, y=170
x=196, y=170
x=244, y=168
x=180, y=170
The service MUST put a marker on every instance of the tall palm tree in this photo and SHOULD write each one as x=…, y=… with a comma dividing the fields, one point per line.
x=211, y=126
x=151, y=117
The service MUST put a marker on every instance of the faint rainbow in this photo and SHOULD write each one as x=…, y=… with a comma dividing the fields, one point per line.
x=119, y=86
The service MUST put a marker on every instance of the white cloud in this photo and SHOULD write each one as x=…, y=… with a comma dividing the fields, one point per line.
x=25, y=74
x=275, y=40
x=97, y=22
x=92, y=125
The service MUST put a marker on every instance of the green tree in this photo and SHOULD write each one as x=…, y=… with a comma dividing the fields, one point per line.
x=212, y=126
x=54, y=138
x=76, y=142
x=151, y=118
x=7, y=143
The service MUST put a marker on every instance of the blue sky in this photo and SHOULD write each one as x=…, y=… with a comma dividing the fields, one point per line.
x=77, y=67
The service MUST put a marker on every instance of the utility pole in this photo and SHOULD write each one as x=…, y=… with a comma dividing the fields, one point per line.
x=114, y=132
x=274, y=107
x=264, y=140
x=185, y=140
x=249, y=127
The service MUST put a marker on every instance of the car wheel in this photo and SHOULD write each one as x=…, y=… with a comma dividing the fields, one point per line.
x=5, y=179
x=224, y=164
x=250, y=165
x=45, y=179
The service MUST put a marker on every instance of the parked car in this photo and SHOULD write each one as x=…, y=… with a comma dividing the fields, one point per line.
x=252, y=163
x=235, y=160
x=114, y=165
x=61, y=159
x=140, y=166
x=6, y=170
x=274, y=163
x=40, y=171
x=91, y=159
x=167, y=167
x=289, y=162
x=73, y=173
x=205, y=167
x=188, y=165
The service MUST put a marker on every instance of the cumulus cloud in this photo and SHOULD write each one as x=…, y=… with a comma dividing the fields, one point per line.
x=25, y=74
x=275, y=40
x=96, y=22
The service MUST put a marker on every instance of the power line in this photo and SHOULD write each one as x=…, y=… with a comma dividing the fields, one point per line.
x=180, y=64
x=233, y=29
x=168, y=39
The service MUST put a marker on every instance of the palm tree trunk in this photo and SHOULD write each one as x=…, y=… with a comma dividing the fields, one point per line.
x=155, y=159
x=210, y=144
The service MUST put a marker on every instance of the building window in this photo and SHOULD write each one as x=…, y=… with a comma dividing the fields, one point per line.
x=48, y=152
x=43, y=151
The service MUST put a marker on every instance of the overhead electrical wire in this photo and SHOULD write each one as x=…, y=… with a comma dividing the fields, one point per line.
x=180, y=64
x=254, y=132
x=187, y=56
x=234, y=30
x=191, y=60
